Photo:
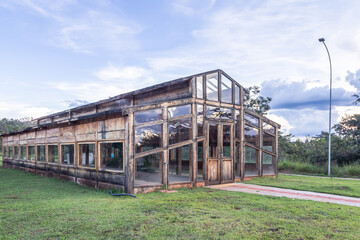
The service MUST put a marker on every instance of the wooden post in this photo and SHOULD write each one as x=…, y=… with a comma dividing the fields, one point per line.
x=276, y=150
x=165, y=144
x=193, y=156
x=242, y=137
x=260, y=165
x=129, y=155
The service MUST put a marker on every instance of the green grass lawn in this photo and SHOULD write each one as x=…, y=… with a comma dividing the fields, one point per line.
x=344, y=187
x=34, y=207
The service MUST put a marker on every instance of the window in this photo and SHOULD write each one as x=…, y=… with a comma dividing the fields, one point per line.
x=269, y=127
x=200, y=120
x=16, y=152
x=53, y=153
x=251, y=135
x=200, y=161
x=218, y=113
x=199, y=87
x=31, y=153
x=237, y=124
x=226, y=89
x=237, y=95
x=226, y=141
x=268, y=168
x=68, y=154
x=40, y=153
x=179, y=111
x=111, y=155
x=179, y=164
x=23, y=153
x=268, y=142
x=87, y=155
x=251, y=166
x=179, y=130
x=251, y=119
x=148, y=169
x=147, y=116
x=213, y=140
x=147, y=138
x=11, y=151
x=5, y=152
x=237, y=159
x=212, y=92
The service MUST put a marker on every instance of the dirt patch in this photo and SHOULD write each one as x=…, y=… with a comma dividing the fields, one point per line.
x=13, y=197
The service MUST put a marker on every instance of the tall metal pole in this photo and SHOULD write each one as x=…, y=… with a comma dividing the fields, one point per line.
x=327, y=50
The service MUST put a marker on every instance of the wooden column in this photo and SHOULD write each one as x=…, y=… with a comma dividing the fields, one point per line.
x=260, y=166
x=193, y=157
x=242, y=137
x=275, y=164
x=129, y=154
x=165, y=144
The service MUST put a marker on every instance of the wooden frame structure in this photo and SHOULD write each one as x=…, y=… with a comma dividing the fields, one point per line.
x=189, y=132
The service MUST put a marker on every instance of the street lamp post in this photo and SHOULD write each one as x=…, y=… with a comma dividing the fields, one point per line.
x=327, y=50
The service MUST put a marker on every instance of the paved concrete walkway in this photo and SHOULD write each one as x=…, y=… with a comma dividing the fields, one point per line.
x=289, y=193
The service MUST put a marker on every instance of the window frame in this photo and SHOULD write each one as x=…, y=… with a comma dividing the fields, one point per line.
x=37, y=153
x=78, y=156
x=47, y=154
x=27, y=150
x=60, y=159
x=99, y=156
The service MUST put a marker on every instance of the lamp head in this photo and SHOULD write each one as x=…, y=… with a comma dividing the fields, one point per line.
x=321, y=39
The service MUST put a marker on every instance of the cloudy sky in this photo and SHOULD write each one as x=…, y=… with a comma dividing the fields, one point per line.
x=59, y=54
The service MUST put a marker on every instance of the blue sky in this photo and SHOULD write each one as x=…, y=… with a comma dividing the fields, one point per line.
x=57, y=54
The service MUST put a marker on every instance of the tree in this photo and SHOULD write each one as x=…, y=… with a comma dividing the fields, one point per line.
x=12, y=125
x=256, y=102
x=349, y=126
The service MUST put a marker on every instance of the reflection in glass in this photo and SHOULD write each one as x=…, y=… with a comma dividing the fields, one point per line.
x=219, y=113
x=199, y=87
x=268, y=142
x=87, y=155
x=226, y=141
x=251, y=119
x=53, y=153
x=16, y=152
x=67, y=154
x=237, y=124
x=147, y=138
x=148, y=169
x=251, y=135
x=111, y=155
x=212, y=92
x=23, y=153
x=200, y=120
x=213, y=140
x=237, y=159
x=179, y=164
x=179, y=130
x=5, y=152
x=40, y=153
x=251, y=166
x=237, y=95
x=267, y=164
x=226, y=89
x=147, y=116
x=11, y=152
x=269, y=127
x=179, y=111
x=200, y=161
x=31, y=153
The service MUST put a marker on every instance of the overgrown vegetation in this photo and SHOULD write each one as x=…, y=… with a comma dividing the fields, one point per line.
x=34, y=207
x=11, y=125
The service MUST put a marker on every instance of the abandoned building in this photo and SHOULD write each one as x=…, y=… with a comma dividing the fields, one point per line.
x=189, y=132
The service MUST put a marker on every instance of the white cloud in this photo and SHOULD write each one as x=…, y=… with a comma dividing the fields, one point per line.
x=112, y=72
x=18, y=110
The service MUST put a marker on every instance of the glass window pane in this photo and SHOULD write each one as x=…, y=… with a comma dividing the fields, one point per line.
x=31, y=153
x=237, y=159
x=269, y=127
x=212, y=92
x=112, y=155
x=251, y=135
x=268, y=142
x=218, y=113
x=179, y=130
x=148, y=169
x=179, y=111
x=53, y=153
x=268, y=168
x=11, y=152
x=4, y=152
x=226, y=141
x=200, y=120
x=147, y=138
x=251, y=119
x=199, y=87
x=23, y=153
x=16, y=152
x=147, y=116
x=251, y=166
x=179, y=164
x=226, y=89
x=40, y=153
x=237, y=124
x=200, y=161
x=213, y=140
x=237, y=95
x=87, y=155
x=68, y=154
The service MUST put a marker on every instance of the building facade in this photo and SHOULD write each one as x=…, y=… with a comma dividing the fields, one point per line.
x=189, y=132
